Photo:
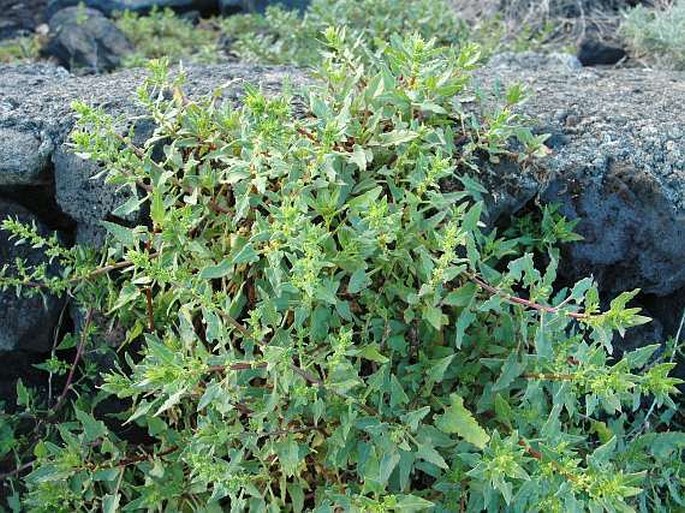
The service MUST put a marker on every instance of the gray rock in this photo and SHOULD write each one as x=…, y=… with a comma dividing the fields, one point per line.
x=24, y=157
x=617, y=160
x=85, y=199
x=534, y=61
x=595, y=52
x=618, y=164
x=83, y=38
x=25, y=324
x=20, y=17
x=46, y=114
x=108, y=7
x=242, y=6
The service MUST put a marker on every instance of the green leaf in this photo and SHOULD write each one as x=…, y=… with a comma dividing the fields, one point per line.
x=437, y=369
x=359, y=157
x=296, y=496
x=413, y=418
x=132, y=204
x=23, y=394
x=387, y=464
x=458, y=420
x=412, y=503
x=157, y=211
x=638, y=358
x=106, y=474
x=429, y=454
x=396, y=137
x=110, y=503
x=246, y=255
x=289, y=455
x=122, y=234
x=358, y=281
x=434, y=316
x=92, y=429
x=511, y=370
x=371, y=353
x=463, y=322
x=223, y=268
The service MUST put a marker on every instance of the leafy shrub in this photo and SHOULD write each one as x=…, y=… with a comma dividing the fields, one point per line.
x=162, y=33
x=285, y=37
x=657, y=36
x=315, y=317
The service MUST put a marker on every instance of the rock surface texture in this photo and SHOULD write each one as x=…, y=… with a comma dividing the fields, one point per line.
x=20, y=17
x=26, y=324
x=617, y=159
x=109, y=7
x=83, y=38
x=618, y=163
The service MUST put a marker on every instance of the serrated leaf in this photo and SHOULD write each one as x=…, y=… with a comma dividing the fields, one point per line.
x=289, y=455
x=430, y=455
x=358, y=281
x=511, y=370
x=387, y=464
x=132, y=204
x=170, y=401
x=436, y=371
x=359, y=157
x=246, y=255
x=23, y=395
x=413, y=418
x=371, y=353
x=640, y=357
x=220, y=270
x=396, y=137
x=121, y=233
x=458, y=420
x=92, y=429
x=296, y=496
x=463, y=322
x=106, y=474
x=412, y=503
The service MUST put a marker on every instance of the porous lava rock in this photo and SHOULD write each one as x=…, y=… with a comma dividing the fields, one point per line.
x=26, y=324
x=83, y=38
x=617, y=157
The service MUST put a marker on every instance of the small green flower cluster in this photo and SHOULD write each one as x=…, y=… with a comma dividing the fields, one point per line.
x=312, y=316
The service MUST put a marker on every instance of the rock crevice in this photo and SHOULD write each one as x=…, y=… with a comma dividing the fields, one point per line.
x=617, y=160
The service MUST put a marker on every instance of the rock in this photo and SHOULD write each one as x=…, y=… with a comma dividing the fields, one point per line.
x=533, y=60
x=20, y=17
x=618, y=164
x=45, y=115
x=24, y=157
x=25, y=324
x=84, y=199
x=244, y=6
x=593, y=52
x=82, y=38
x=617, y=161
x=108, y=7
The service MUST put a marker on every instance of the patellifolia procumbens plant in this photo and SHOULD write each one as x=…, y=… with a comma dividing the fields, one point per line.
x=315, y=316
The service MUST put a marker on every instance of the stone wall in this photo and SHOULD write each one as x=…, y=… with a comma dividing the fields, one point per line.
x=617, y=163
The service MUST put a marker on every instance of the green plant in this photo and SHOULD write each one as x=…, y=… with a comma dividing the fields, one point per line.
x=25, y=48
x=657, y=35
x=315, y=318
x=285, y=37
x=162, y=33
